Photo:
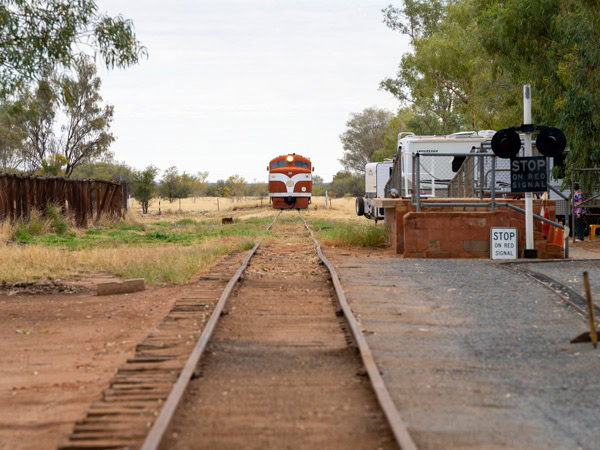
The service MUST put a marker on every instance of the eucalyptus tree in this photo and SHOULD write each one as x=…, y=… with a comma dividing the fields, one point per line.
x=84, y=133
x=447, y=79
x=552, y=45
x=144, y=186
x=39, y=36
x=363, y=137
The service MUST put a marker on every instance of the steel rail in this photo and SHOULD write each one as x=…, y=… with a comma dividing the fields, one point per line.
x=401, y=434
x=159, y=428
x=564, y=292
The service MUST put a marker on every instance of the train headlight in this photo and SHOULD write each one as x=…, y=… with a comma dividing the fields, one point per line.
x=303, y=189
x=290, y=158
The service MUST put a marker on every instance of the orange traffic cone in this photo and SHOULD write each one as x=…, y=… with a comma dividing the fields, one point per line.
x=545, y=226
x=551, y=234
x=559, y=237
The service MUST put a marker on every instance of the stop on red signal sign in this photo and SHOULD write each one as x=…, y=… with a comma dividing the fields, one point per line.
x=529, y=174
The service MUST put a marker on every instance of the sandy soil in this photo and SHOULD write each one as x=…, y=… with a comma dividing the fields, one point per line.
x=59, y=351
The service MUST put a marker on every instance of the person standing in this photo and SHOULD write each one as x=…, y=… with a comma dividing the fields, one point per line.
x=579, y=211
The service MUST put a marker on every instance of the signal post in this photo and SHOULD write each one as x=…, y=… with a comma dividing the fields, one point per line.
x=529, y=173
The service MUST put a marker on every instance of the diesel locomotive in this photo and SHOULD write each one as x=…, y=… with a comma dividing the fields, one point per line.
x=290, y=181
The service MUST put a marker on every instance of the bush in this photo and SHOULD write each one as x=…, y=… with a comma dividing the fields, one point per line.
x=58, y=222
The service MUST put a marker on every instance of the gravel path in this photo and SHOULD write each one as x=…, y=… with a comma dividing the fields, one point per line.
x=476, y=355
x=570, y=273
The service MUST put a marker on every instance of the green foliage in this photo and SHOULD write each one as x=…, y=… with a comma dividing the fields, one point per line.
x=12, y=138
x=258, y=189
x=552, y=45
x=39, y=36
x=447, y=80
x=144, y=186
x=38, y=225
x=85, y=126
x=350, y=234
x=184, y=222
x=347, y=183
x=363, y=137
x=57, y=221
x=185, y=232
x=53, y=165
x=235, y=186
x=105, y=170
x=174, y=186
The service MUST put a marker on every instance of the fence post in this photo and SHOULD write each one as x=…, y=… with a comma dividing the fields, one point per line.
x=481, y=176
x=570, y=205
x=493, y=186
x=413, y=198
x=418, y=180
x=124, y=191
x=472, y=176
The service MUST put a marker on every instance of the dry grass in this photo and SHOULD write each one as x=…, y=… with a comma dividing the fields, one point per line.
x=6, y=231
x=166, y=264
x=202, y=205
x=205, y=205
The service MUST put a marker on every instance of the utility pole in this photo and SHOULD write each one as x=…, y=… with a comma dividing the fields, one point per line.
x=530, y=250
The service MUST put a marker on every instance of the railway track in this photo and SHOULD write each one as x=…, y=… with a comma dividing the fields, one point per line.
x=271, y=363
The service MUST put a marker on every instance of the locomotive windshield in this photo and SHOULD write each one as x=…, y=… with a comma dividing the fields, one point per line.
x=302, y=164
x=276, y=164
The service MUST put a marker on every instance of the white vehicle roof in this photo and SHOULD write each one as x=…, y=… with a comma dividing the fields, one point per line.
x=456, y=137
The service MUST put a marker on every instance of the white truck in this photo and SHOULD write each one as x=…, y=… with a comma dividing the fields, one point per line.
x=376, y=176
x=435, y=172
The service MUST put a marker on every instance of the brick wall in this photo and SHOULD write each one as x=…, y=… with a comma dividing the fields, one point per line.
x=458, y=231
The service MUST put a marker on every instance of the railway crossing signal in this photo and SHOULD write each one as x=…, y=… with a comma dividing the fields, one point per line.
x=506, y=143
x=550, y=141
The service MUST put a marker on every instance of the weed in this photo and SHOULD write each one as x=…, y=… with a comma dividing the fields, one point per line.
x=350, y=234
x=184, y=222
x=158, y=235
x=58, y=222
x=247, y=245
x=129, y=226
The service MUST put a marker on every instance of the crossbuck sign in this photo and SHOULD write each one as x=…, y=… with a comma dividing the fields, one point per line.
x=504, y=243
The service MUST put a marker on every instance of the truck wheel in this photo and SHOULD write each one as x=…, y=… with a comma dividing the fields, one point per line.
x=360, y=206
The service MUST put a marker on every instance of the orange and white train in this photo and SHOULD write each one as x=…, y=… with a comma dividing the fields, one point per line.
x=290, y=181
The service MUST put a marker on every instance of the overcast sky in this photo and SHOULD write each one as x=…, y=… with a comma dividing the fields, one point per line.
x=230, y=84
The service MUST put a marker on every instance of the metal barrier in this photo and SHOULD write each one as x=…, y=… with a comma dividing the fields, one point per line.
x=469, y=180
x=469, y=175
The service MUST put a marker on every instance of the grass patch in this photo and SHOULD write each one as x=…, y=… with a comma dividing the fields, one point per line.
x=166, y=252
x=349, y=234
x=157, y=265
x=184, y=222
x=184, y=232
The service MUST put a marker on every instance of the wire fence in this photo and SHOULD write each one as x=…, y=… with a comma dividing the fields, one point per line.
x=457, y=175
x=84, y=200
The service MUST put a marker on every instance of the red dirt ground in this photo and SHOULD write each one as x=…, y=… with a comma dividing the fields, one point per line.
x=60, y=350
